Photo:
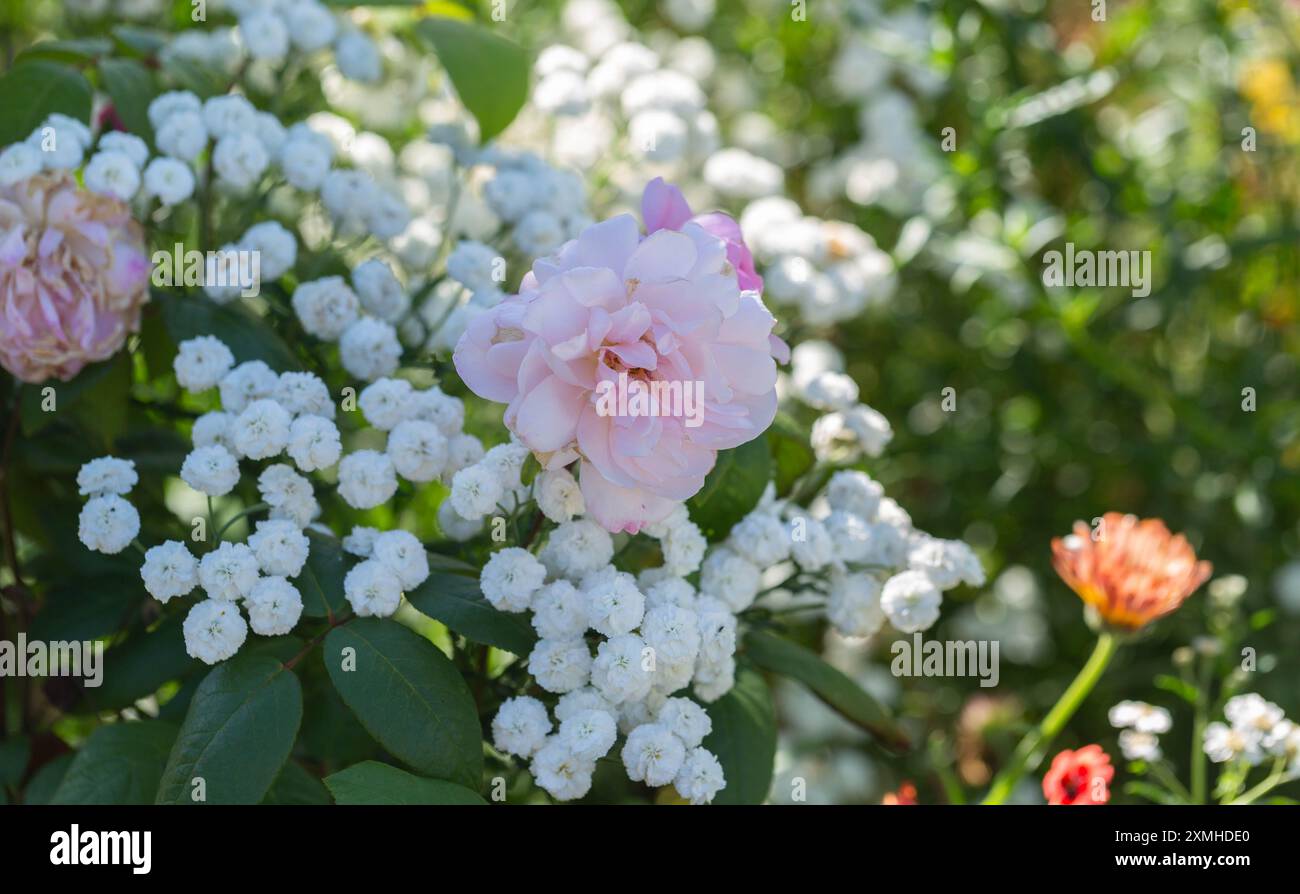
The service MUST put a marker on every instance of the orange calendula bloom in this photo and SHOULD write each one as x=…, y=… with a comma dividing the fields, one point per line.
x=1130, y=570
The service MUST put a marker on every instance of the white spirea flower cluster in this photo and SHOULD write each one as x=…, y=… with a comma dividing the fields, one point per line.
x=1256, y=729
x=848, y=429
x=265, y=416
x=616, y=649
x=108, y=522
x=359, y=317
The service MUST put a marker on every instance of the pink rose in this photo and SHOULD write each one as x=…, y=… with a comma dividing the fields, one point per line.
x=73, y=276
x=615, y=308
x=663, y=207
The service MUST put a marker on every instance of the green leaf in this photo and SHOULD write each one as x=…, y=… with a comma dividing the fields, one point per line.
x=408, y=696
x=77, y=51
x=732, y=489
x=120, y=763
x=530, y=470
x=142, y=41
x=744, y=739
x=140, y=666
x=295, y=785
x=1179, y=687
x=13, y=759
x=96, y=398
x=131, y=87
x=792, y=456
x=32, y=90
x=247, y=336
x=85, y=609
x=456, y=601
x=321, y=580
x=45, y=781
x=237, y=734
x=489, y=72
x=370, y=782
x=779, y=655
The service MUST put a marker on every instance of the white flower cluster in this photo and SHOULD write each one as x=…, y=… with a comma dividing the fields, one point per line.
x=1141, y=725
x=848, y=429
x=1256, y=729
x=857, y=542
x=108, y=522
x=652, y=636
x=271, y=32
x=359, y=317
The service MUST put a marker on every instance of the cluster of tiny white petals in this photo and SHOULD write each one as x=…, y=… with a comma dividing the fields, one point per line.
x=108, y=522
x=1256, y=730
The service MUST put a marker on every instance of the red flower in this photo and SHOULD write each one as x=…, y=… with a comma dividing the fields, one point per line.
x=906, y=795
x=1079, y=777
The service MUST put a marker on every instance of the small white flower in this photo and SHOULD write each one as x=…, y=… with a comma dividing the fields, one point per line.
x=112, y=174
x=266, y=37
x=585, y=699
x=305, y=162
x=589, y=734
x=173, y=102
x=701, y=777
x=18, y=162
x=366, y=479
x=182, y=136
x=1139, y=746
x=1140, y=716
x=402, y=553
x=614, y=604
x=865, y=543
x=169, y=570
x=212, y=428
x=211, y=470
x=371, y=589
x=134, y=148
x=228, y=572
x=475, y=492
x=239, y=160
x=854, y=604
x=448, y=413
x=229, y=115
x=561, y=772
x=1253, y=713
x=559, y=611
x=911, y=601
x=621, y=672
x=304, y=393
x=510, y=578
x=653, y=754
x=276, y=247
x=674, y=633
x=520, y=726
x=280, y=485
x=558, y=495
x=463, y=451
x=358, y=58
x=418, y=450
x=370, y=349
x=201, y=363
x=731, y=577
x=108, y=524
x=811, y=546
x=261, y=430
x=379, y=290
x=762, y=538
x=560, y=665
x=314, y=443
x=361, y=541
x=214, y=631
x=473, y=265
x=1225, y=743
x=455, y=526
x=274, y=606
x=311, y=25
x=247, y=382
x=577, y=548
x=281, y=548
x=667, y=591
x=107, y=475
x=686, y=720
x=683, y=548
x=855, y=492
x=386, y=402
x=947, y=562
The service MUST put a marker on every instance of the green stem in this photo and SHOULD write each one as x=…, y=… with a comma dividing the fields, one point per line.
x=256, y=507
x=1029, y=753
x=1276, y=778
x=1198, y=735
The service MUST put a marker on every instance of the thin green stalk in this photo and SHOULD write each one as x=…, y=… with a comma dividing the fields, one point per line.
x=1029, y=753
x=1198, y=734
x=1276, y=778
x=256, y=507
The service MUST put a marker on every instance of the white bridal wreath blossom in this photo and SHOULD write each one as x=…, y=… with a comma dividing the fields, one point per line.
x=338, y=474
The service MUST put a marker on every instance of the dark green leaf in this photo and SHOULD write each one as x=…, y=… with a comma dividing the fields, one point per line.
x=13, y=759
x=237, y=735
x=77, y=51
x=489, y=72
x=32, y=90
x=530, y=470
x=779, y=655
x=371, y=782
x=456, y=601
x=744, y=739
x=45, y=781
x=120, y=763
x=732, y=489
x=321, y=580
x=87, y=608
x=131, y=87
x=142, y=664
x=791, y=454
x=408, y=696
x=295, y=785
x=143, y=41
x=248, y=338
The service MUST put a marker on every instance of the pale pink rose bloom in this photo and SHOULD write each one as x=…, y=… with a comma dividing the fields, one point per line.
x=666, y=306
x=73, y=275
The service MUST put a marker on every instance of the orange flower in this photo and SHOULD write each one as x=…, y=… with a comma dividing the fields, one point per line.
x=1130, y=571
x=906, y=795
x=1079, y=777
